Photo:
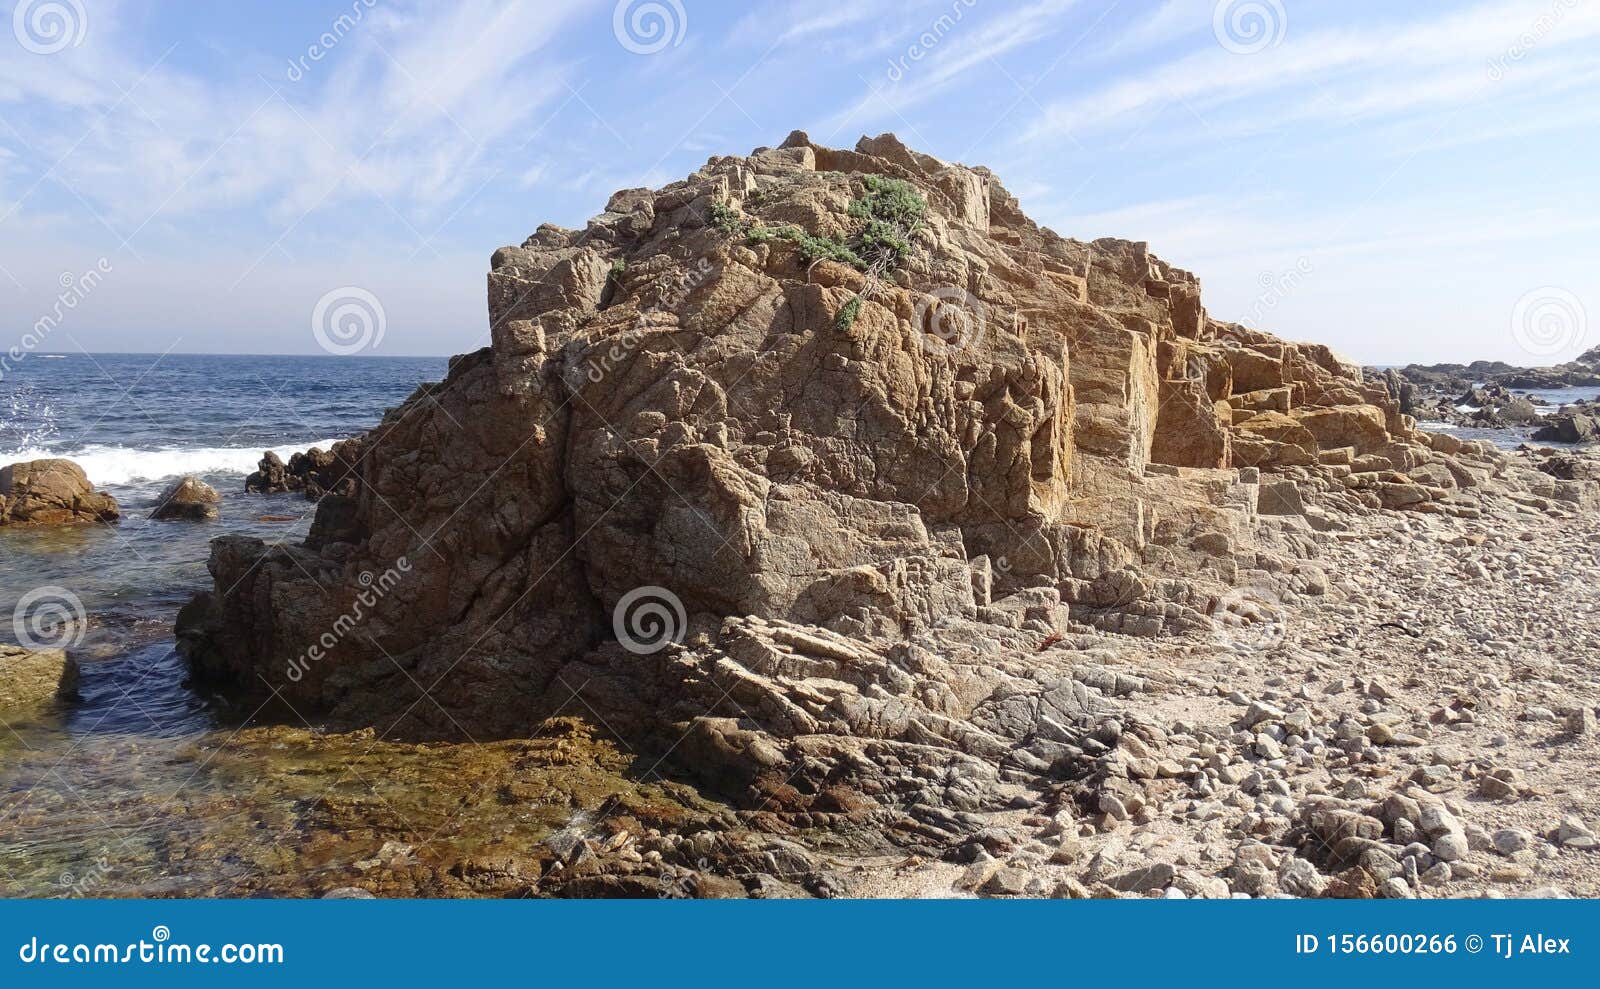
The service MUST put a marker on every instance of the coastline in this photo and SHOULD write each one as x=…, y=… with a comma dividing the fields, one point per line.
x=1194, y=612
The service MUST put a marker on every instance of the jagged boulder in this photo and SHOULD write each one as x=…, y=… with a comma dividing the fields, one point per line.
x=51, y=492
x=315, y=472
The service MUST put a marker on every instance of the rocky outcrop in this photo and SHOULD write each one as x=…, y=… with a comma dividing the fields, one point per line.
x=821, y=473
x=187, y=498
x=29, y=677
x=1570, y=427
x=1580, y=372
x=1483, y=395
x=51, y=492
x=314, y=472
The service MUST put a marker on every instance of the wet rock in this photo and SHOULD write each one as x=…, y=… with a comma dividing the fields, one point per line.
x=29, y=677
x=187, y=498
x=51, y=492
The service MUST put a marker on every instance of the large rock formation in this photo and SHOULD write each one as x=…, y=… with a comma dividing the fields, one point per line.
x=820, y=491
x=51, y=492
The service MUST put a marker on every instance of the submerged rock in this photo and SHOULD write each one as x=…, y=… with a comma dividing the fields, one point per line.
x=51, y=492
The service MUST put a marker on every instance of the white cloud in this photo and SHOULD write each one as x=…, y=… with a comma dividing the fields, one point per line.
x=1174, y=19
x=405, y=109
x=1381, y=69
x=960, y=42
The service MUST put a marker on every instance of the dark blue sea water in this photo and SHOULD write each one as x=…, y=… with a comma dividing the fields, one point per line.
x=134, y=422
x=132, y=418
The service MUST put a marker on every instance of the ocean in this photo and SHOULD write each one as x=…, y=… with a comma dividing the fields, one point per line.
x=134, y=422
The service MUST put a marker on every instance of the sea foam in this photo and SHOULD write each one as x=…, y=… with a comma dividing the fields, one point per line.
x=125, y=465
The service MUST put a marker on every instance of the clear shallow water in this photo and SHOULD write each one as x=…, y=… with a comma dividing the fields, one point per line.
x=143, y=748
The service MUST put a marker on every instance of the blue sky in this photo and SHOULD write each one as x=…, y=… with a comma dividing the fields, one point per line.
x=1403, y=181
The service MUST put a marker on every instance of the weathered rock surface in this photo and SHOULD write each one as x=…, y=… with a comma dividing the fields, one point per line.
x=32, y=676
x=51, y=492
x=187, y=498
x=887, y=516
x=314, y=472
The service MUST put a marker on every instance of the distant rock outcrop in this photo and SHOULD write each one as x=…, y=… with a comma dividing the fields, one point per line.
x=314, y=473
x=822, y=470
x=51, y=492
